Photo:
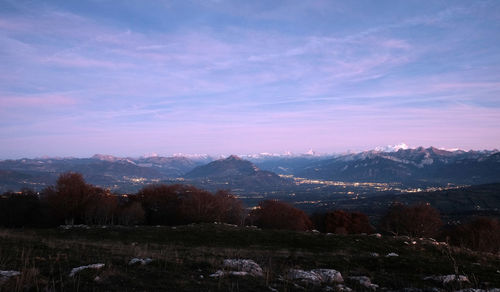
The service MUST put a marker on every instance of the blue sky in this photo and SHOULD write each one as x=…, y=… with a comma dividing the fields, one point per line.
x=221, y=77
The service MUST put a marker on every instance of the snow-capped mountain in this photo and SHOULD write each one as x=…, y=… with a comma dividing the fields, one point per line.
x=430, y=165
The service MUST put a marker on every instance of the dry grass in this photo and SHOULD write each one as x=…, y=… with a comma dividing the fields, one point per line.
x=181, y=256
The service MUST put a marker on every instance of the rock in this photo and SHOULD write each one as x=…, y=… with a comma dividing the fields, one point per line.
x=9, y=274
x=237, y=273
x=446, y=279
x=239, y=268
x=377, y=235
x=343, y=288
x=74, y=271
x=364, y=281
x=316, y=277
x=391, y=254
x=478, y=290
x=248, y=266
x=374, y=254
x=309, y=277
x=217, y=274
x=66, y=227
x=329, y=276
x=5, y=275
x=143, y=262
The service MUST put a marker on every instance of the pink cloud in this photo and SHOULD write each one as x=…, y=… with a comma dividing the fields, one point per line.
x=40, y=100
x=84, y=62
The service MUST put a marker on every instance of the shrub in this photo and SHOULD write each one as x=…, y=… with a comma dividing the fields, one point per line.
x=101, y=208
x=131, y=214
x=68, y=201
x=279, y=215
x=19, y=209
x=420, y=220
x=161, y=203
x=482, y=234
x=342, y=222
x=181, y=204
x=229, y=208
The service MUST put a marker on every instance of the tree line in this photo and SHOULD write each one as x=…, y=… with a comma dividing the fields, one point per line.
x=73, y=201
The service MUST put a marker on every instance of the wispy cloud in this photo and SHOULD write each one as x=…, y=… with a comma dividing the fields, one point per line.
x=263, y=68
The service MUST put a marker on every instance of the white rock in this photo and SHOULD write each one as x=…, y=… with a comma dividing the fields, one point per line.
x=5, y=275
x=448, y=278
x=248, y=266
x=8, y=274
x=377, y=235
x=143, y=262
x=364, y=281
x=391, y=254
x=78, y=269
x=217, y=274
x=478, y=290
x=316, y=276
x=237, y=273
x=343, y=288
x=304, y=276
x=74, y=226
x=329, y=276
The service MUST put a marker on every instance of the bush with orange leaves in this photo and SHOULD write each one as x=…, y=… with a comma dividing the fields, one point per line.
x=420, y=220
x=271, y=214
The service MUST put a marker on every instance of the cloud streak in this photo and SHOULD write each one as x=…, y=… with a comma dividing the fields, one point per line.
x=262, y=68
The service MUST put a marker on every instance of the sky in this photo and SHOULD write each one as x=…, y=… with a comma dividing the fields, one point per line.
x=128, y=78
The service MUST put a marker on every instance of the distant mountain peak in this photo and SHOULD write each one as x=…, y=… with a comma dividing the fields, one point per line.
x=105, y=157
x=230, y=166
x=393, y=148
x=233, y=157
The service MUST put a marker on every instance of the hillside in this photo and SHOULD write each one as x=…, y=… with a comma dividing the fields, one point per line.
x=235, y=172
x=452, y=204
x=185, y=257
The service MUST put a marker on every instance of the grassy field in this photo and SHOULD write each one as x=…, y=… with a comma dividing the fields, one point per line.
x=185, y=256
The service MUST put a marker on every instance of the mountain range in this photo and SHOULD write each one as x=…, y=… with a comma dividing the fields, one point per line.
x=430, y=166
x=420, y=165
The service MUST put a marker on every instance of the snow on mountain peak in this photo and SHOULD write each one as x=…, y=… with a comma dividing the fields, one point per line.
x=392, y=148
x=311, y=152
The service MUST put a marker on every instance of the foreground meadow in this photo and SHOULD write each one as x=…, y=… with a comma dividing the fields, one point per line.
x=185, y=258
